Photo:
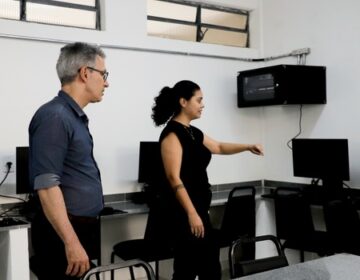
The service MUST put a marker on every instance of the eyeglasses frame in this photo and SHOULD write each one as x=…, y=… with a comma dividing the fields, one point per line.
x=104, y=73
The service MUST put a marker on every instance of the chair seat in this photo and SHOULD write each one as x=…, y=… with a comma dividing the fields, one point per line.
x=144, y=249
x=260, y=265
x=240, y=265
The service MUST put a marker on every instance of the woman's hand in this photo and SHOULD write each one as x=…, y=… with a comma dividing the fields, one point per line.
x=196, y=225
x=256, y=149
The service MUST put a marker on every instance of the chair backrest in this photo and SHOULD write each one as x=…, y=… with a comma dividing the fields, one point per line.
x=120, y=265
x=292, y=213
x=343, y=225
x=241, y=267
x=239, y=215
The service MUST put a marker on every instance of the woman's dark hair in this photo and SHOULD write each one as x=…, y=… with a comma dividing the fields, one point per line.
x=167, y=102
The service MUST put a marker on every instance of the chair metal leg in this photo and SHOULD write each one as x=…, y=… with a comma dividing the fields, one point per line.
x=112, y=261
x=157, y=270
x=302, y=255
x=132, y=273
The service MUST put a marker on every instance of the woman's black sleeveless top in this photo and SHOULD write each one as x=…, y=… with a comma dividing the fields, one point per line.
x=195, y=159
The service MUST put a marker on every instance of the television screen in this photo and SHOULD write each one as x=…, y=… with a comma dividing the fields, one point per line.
x=22, y=170
x=150, y=164
x=259, y=87
x=326, y=159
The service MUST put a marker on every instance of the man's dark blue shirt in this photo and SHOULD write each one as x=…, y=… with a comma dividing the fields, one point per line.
x=61, y=154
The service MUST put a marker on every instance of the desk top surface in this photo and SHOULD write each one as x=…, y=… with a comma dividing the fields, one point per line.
x=337, y=267
x=219, y=198
x=128, y=207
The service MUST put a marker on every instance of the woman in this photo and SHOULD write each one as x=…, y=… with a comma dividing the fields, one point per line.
x=186, y=153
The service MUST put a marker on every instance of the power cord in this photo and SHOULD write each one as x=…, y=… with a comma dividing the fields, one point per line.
x=8, y=165
x=300, y=128
x=5, y=213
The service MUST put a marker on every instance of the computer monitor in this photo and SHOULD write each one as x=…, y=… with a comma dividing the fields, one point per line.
x=325, y=159
x=22, y=170
x=151, y=169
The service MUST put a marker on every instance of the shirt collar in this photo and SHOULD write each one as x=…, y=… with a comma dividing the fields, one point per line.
x=71, y=102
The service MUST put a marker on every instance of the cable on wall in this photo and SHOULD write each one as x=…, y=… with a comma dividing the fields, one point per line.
x=299, y=53
x=9, y=164
x=300, y=129
x=301, y=60
x=8, y=169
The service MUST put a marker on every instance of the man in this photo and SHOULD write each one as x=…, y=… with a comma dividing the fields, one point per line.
x=63, y=170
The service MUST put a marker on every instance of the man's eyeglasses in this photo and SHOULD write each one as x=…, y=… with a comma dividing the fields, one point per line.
x=104, y=74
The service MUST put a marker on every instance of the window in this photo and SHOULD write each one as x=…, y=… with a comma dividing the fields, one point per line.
x=198, y=22
x=10, y=9
x=77, y=13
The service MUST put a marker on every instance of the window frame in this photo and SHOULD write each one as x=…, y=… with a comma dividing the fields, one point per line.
x=95, y=9
x=199, y=25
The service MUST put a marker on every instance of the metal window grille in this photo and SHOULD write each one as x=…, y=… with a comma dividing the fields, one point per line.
x=75, y=13
x=198, y=22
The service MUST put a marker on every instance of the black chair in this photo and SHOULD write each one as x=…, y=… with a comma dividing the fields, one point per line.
x=343, y=225
x=242, y=266
x=121, y=265
x=239, y=216
x=294, y=223
x=154, y=247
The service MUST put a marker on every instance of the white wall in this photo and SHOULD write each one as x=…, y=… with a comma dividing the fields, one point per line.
x=331, y=30
x=122, y=119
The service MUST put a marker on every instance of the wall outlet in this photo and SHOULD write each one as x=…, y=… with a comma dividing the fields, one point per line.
x=4, y=164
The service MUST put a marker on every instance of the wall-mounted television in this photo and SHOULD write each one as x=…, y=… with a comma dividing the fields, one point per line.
x=325, y=159
x=282, y=84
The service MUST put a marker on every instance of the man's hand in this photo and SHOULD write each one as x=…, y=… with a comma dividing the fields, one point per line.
x=78, y=260
x=52, y=201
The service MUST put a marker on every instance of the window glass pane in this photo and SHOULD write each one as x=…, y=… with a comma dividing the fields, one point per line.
x=171, y=10
x=229, y=38
x=60, y=15
x=223, y=18
x=171, y=30
x=218, y=20
x=90, y=3
x=10, y=9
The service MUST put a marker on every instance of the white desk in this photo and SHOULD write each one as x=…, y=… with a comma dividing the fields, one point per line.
x=337, y=267
x=14, y=245
x=14, y=252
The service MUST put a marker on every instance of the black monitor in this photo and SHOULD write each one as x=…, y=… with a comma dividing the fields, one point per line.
x=325, y=159
x=22, y=170
x=151, y=169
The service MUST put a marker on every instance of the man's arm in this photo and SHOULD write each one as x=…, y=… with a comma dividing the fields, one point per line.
x=53, y=204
